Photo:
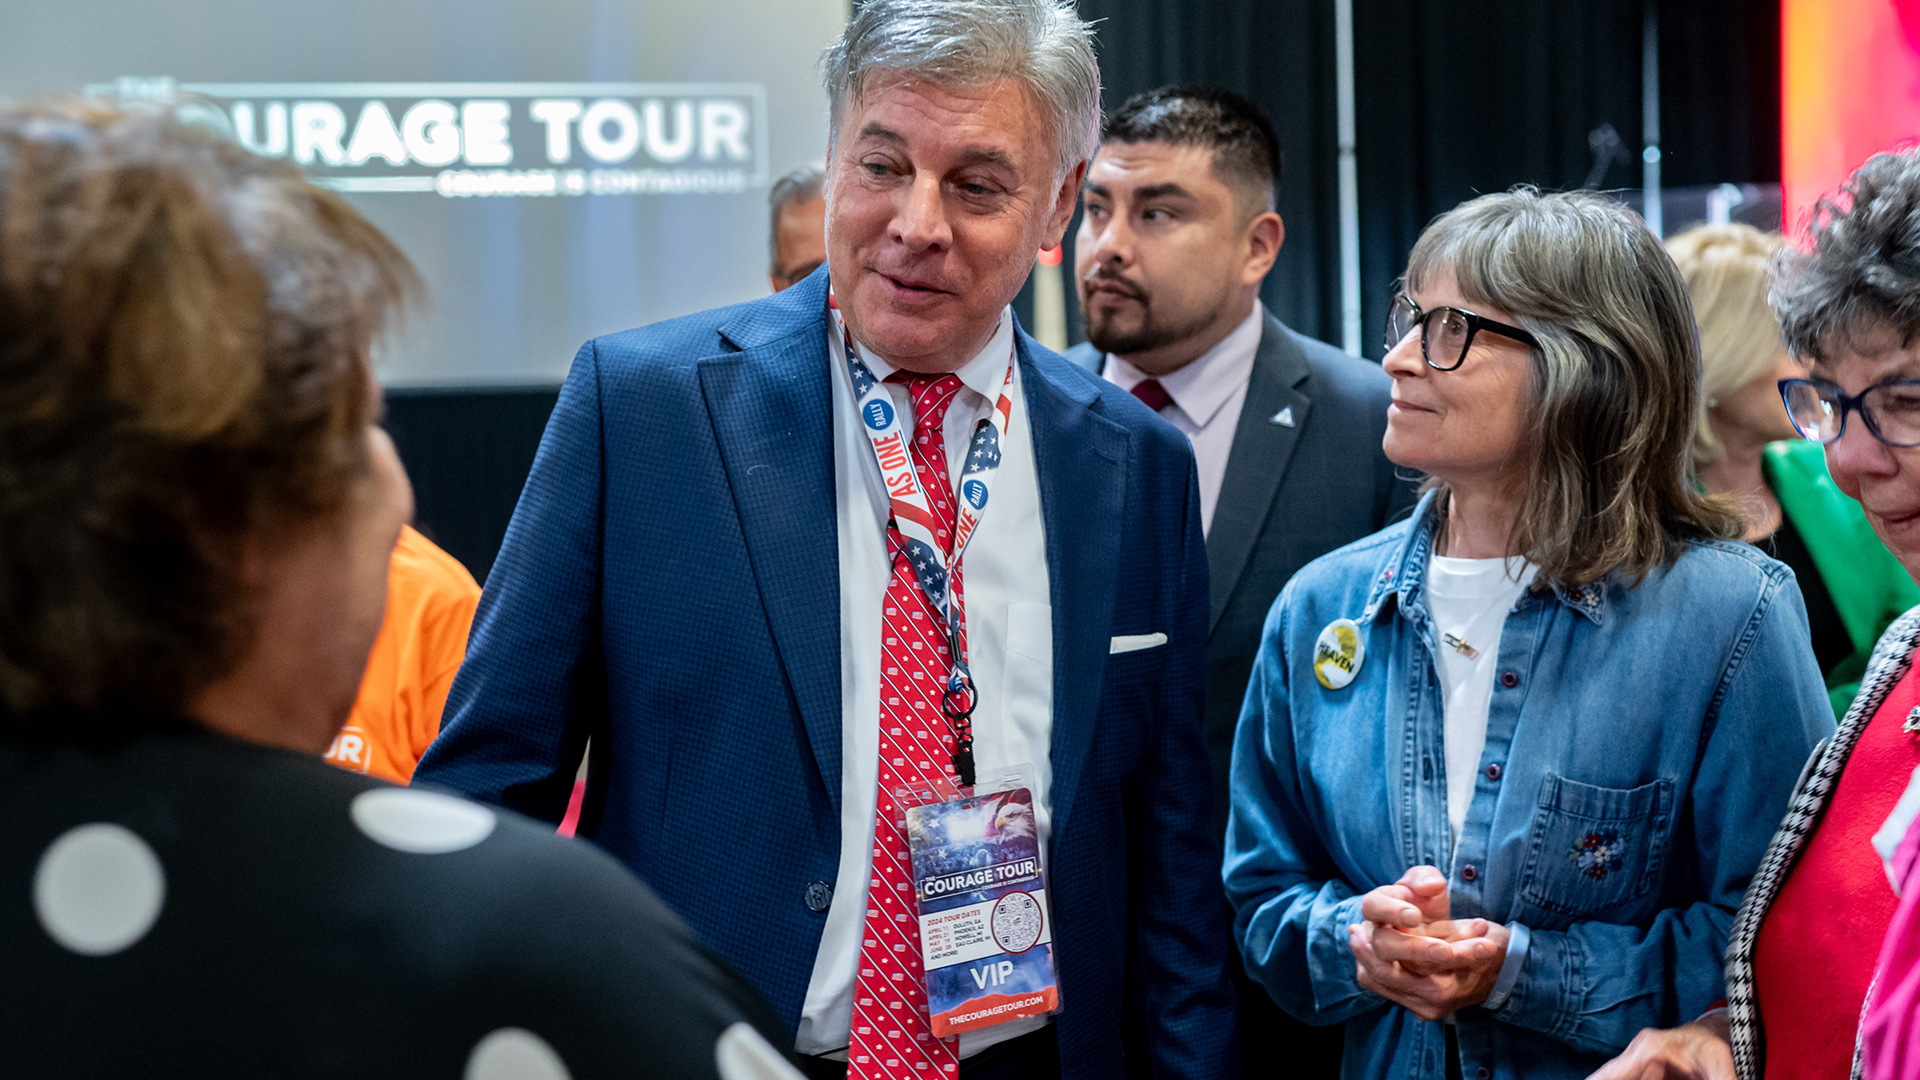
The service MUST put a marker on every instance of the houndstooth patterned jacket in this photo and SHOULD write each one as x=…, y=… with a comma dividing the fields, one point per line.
x=1891, y=658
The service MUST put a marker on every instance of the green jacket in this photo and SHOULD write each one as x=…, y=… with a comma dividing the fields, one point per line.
x=1869, y=586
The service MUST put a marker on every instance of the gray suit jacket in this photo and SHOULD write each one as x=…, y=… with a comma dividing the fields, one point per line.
x=1290, y=495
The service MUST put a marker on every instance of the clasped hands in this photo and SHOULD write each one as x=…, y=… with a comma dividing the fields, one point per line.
x=1411, y=953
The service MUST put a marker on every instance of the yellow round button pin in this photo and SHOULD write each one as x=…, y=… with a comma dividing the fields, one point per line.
x=1338, y=654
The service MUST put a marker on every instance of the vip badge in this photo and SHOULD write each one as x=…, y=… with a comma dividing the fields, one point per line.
x=1338, y=654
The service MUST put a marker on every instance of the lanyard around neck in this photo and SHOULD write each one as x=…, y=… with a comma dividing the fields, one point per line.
x=911, y=511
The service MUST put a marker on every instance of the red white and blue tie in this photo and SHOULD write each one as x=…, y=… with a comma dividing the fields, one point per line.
x=892, y=1038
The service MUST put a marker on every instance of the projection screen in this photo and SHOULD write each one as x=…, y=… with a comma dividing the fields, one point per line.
x=558, y=169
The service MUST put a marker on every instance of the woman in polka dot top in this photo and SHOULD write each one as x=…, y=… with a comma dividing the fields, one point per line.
x=196, y=509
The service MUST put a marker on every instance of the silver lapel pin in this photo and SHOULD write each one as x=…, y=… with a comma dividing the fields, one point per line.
x=1284, y=417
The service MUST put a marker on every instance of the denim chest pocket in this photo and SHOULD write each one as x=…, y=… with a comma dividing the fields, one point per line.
x=1594, y=848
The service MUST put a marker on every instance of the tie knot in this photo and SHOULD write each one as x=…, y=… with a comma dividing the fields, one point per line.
x=1152, y=394
x=931, y=395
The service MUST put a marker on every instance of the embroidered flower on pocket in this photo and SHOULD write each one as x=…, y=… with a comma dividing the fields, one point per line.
x=1597, y=854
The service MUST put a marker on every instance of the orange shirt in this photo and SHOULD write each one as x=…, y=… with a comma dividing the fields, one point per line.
x=430, y=602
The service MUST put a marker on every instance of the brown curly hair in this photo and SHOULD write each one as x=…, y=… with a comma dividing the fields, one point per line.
x=184, y=337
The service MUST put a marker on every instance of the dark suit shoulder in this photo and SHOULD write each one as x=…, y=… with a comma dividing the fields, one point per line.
x=1341, y=373
x=1344, y=576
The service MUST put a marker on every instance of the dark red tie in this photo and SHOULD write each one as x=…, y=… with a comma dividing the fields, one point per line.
x=1152, y=393
x=892, y=1037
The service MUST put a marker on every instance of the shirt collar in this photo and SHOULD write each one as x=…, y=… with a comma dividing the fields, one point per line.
x=1204, y=386
x=983, y=374
x=1403, y=578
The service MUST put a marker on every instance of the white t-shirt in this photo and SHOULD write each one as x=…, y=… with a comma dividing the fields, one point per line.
x=1469, y=600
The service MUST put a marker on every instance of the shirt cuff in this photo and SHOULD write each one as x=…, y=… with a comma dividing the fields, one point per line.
x=1519, y=939
x=1549, y=986
x=1330, y=963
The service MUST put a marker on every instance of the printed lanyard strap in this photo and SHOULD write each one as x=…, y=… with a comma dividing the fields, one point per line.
x=908, y=503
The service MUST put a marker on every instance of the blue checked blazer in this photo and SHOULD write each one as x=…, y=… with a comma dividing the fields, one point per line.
x=669, y=588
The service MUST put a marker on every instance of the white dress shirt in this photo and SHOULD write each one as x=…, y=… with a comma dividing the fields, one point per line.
x=1009, y=642
x=1207, y=397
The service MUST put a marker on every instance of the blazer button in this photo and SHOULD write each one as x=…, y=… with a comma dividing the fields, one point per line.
x=1483, y=1073
x=1469, y=872
x=819, y=896
x=1493, y=772
x=1509, y=679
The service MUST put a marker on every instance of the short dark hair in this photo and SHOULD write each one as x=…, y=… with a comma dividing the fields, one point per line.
x=1860, y=271
x=1246, y=152
x=184, y=335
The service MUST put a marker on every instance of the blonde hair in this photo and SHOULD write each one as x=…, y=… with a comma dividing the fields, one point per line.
x=1615, y=380
x=1727, y=272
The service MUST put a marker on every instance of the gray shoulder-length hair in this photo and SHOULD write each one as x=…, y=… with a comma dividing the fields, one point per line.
x=1043, y=43
x=1859, y=276
x=1615, y=383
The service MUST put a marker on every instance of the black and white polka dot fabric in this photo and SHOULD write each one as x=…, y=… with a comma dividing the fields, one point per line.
x=188, y=905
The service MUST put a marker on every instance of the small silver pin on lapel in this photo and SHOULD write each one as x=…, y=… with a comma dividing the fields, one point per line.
x=1284, y=417
x=1912, y=726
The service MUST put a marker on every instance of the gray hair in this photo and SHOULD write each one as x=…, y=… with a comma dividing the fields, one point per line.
x=972, y=42
x=801, y=184
x=1860, y=275
x=1615, y=382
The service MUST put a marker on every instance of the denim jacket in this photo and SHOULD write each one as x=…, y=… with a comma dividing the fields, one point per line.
x=1641, y=745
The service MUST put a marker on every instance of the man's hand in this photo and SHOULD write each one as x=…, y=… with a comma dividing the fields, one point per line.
x=1410, y=953
x=1696, y=1051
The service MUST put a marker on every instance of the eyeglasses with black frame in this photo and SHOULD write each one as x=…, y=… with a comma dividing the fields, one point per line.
x=1446, y=333
x=1819, y=409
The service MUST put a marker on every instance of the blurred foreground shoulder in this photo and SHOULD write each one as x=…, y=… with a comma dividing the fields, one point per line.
x=338, y=926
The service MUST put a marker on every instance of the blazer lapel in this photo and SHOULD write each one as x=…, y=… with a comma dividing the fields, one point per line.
x=771, y=407
x=1081, y=459
x=1263, y=443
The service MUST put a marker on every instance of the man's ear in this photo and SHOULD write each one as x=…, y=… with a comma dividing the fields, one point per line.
x=1064, y=201
x=1265, y=233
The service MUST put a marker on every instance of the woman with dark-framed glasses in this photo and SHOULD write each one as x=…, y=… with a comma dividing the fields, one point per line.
x=1812, y=990
x=1504, y=770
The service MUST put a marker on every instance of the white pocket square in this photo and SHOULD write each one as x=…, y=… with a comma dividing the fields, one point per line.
x=1135, y=642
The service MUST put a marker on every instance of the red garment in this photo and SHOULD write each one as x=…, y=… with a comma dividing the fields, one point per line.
x=1817, y=947
x=892, y=1036
x=1152, y=394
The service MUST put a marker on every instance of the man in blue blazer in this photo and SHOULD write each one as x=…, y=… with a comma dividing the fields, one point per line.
x=719, y=573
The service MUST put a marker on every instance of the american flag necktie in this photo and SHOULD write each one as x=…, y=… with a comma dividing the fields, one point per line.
x=892, y=1038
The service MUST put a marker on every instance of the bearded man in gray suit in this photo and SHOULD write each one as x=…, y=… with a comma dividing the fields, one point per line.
x=1178, y=231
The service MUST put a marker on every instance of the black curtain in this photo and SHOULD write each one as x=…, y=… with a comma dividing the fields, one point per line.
x=468, y=451
x=1453, y=100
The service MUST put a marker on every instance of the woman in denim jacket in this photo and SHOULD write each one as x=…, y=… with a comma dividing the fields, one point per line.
x=1510, y=765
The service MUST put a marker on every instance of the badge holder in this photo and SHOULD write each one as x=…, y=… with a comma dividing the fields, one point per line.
x=986, y=934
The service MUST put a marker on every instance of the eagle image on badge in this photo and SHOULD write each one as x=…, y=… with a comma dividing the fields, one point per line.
x=1338, y=654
